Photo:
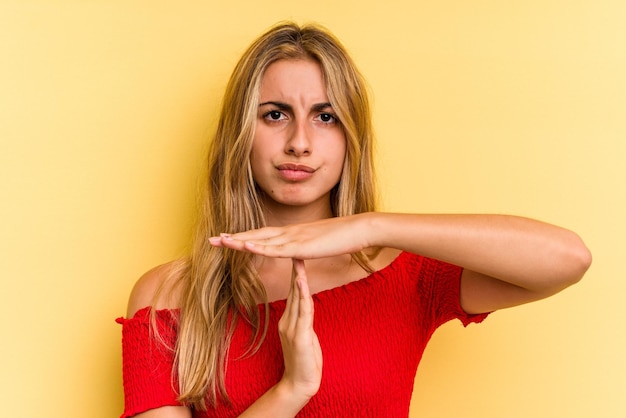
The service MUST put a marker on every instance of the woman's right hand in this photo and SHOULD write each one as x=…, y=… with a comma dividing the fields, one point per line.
x=301, y=348
x=301, y=352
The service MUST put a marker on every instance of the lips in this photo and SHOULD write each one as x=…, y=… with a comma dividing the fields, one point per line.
x=296, y=167
x=295, y=172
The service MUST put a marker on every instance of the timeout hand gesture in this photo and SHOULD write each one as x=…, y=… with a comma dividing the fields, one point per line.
x=324, y=238
x=301, y=348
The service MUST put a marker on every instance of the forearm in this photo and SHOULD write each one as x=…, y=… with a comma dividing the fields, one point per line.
x=527, y=253
x=277, y=402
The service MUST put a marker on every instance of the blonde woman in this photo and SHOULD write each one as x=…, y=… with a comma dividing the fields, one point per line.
x=298, y=298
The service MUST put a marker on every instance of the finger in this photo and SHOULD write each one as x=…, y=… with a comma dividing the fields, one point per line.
x=253, y=234
x=269, y=236
x=269, y=247
x=258, y=234
x=299, y=274
x=305, y=307
x=293, y=300
x=216, y=241
x=227, y=241
x=275, y=250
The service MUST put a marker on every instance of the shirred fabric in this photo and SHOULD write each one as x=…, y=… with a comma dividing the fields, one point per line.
x=373, y=333
x=147, y=362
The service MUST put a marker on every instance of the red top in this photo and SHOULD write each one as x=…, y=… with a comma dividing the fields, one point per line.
x=372, y=333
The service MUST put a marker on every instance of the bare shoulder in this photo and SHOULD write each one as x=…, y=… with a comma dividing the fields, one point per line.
x=158, y=287
x=384, y=256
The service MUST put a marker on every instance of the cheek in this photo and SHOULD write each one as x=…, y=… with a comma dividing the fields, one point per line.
x=253, y=160
x=260, y=163
x=341, y=152
x=254, y=165
x=257, y=151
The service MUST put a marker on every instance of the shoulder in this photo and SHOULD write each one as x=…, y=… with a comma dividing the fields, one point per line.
x=158, y=288
x=383, y=257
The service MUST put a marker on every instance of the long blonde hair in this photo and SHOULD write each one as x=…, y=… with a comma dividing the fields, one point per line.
x=220, y=286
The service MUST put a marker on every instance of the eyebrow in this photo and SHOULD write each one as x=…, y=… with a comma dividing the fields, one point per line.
x=318, y=107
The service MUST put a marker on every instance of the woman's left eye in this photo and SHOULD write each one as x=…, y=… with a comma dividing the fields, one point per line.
x=327, y=117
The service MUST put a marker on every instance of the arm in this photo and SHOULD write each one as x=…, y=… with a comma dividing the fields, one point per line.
x=166, y=412
x=301, y=349
x=141, y=296
x=507, y=260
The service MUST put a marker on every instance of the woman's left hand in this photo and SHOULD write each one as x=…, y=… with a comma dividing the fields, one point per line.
x=506, y=260
x=324, y=238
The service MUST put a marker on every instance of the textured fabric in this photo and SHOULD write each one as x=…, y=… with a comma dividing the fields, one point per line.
x=372, y=333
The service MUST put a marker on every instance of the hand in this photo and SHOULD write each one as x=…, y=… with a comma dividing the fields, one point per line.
x=301, y=348
x=324, y=238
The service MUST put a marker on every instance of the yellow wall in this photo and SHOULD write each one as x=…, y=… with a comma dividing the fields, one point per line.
x=480, y=106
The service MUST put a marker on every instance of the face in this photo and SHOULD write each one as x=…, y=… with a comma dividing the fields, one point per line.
x=299, y=145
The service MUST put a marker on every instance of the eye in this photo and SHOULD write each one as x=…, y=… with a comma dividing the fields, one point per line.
x=327, y=118
x=274, y=115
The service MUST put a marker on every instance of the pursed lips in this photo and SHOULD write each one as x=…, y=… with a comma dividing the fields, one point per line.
x=295, y=172
x=296, y=167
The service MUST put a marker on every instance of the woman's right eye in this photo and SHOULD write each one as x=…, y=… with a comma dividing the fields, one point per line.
x=274, y=115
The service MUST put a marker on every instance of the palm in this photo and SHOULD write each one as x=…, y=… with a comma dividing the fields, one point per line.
x=324, y=238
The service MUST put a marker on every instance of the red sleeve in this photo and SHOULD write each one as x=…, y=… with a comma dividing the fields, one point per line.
x=147, y=362
x=446, y=289
x=439, y=285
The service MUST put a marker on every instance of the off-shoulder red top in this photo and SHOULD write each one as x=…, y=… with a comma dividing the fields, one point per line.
x=372, y=333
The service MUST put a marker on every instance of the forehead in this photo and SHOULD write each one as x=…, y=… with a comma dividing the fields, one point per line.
x=293, y=79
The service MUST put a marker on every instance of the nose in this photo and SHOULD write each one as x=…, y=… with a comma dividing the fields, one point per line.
x=298, y=143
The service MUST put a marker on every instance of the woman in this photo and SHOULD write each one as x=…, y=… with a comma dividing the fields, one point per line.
x=246, y=327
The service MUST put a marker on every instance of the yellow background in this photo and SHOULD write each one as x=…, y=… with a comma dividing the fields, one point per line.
x=480, y=106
